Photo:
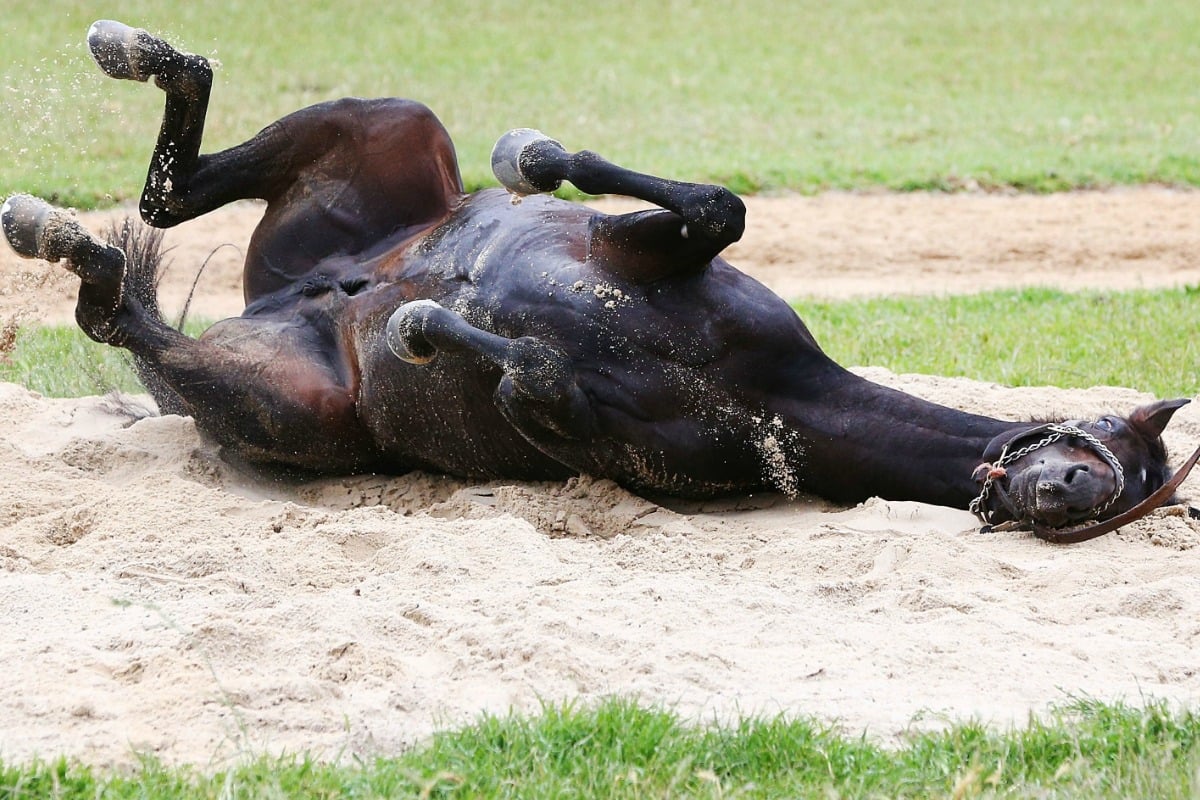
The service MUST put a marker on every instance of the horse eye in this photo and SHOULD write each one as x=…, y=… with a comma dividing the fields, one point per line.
x=1105, y=424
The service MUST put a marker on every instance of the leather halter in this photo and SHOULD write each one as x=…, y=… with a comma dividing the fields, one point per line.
x=1056, y=431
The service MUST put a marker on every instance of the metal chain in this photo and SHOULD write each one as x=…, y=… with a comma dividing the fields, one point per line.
x=1057, y=431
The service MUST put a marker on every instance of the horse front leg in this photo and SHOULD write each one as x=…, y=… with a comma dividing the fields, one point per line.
x=538, y=392
x=703, y=219
x=175, y=190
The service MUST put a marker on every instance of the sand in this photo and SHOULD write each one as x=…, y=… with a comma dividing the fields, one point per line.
x=156, y=599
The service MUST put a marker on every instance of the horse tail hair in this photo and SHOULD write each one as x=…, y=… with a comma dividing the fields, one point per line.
x=144, y=267
x=144, y=263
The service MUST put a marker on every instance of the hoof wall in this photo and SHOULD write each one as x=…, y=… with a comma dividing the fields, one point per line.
x=515, y=159
x=114, y=46
x=404, y=337
x=24, y=219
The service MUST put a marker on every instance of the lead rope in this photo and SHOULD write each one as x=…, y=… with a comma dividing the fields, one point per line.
x=978, y=506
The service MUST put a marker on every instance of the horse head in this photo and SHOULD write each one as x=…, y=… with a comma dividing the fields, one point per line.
x=1062, y=474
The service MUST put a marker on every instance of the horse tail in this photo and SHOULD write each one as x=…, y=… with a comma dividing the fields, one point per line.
x=144, y=263
x=144, y=267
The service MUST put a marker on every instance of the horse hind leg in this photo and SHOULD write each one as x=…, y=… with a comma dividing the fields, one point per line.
x=35, y=229
x=129, y=53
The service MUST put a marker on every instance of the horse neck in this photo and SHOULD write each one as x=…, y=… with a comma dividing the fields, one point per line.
x=871, y=441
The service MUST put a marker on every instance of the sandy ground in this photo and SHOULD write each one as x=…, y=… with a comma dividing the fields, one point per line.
x=156, y=599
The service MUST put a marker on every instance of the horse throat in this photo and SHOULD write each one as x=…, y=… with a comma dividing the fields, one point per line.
x=867, y=440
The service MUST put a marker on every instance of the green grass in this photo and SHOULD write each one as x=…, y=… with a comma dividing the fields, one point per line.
x=772, y=94
x=1146, y=340
x=619, y=749
x=60, y=361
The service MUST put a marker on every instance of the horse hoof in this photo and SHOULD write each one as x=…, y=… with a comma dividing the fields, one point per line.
x=120, y=50
x=518, y=158
x=24, y=219
x=404, y=332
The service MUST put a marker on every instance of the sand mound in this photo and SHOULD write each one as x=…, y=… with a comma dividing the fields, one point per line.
x=157, y=598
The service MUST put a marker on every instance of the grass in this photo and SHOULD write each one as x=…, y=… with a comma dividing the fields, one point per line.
x=1028, y=337
x=619, y=749
x=61, y=361
x=924, y=94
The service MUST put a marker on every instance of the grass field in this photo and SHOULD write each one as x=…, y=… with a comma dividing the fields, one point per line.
x=622, y=750
x=796, y=95
x=764, y=95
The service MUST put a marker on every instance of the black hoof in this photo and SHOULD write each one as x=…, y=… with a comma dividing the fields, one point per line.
x=519, y=161
x=121, y=51
x=24, y=219
x=404, y=332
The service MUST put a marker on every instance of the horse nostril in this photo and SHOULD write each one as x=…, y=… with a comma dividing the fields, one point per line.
x=1073, y=471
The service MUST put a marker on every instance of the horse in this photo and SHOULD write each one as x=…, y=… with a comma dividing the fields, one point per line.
x=395, y=322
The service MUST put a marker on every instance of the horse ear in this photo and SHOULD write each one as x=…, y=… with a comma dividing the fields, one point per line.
x=1151, y=420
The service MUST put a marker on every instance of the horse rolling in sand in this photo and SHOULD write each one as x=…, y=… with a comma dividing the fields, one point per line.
x=394, y=322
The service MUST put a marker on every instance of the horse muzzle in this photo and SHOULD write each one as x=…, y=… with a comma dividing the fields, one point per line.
x=1059, y=493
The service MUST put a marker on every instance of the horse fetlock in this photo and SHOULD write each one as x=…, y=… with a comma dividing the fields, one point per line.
x=537, y=367
x=99, y=320
x=527, y=161
x=715, y=212
x=406, y=332
x=185, y=74
x=539, y=388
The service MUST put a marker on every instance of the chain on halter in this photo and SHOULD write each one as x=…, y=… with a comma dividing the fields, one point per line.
x=1056, y=431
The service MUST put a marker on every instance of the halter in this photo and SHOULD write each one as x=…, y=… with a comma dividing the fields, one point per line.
x=1054, y=432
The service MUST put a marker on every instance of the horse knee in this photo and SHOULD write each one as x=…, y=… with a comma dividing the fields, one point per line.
x=714, y=213
x=161, y=207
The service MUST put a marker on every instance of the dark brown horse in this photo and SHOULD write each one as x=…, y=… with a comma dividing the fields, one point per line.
x=394, y=322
